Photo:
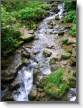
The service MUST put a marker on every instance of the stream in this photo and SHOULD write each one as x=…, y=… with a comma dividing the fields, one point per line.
x=46, y=40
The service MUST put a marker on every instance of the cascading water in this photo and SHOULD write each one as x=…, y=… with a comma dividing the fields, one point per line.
x=25, y=80
x=25, y=74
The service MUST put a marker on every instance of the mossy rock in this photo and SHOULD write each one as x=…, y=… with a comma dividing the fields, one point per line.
x=58, y=83
x=27, y=38
x=66, y=55
x=47, y=53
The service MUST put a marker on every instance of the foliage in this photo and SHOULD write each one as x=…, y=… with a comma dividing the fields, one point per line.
x=13, y=13
x=9, y=40
x=72, y=31
x=71, y=16
x=34, y=12
x=54, y=85
x=70, y=5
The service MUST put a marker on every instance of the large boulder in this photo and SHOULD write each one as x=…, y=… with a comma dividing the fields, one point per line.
x=10, y=72
x=26, y=35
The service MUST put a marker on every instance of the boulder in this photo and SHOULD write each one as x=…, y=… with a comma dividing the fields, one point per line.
x=10, y=72
x=26, y=35
x=66, y=55
x=47, y=53
x=57, y=17
x=33, y=93
x=61, y=32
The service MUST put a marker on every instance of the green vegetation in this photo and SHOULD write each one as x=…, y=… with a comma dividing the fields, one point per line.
x=15, y=14
x=54, y=84
x=72, y=31
x=70, y=5
x=71, y=15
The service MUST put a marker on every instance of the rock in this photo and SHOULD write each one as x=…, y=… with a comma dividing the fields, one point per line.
x=68, y=48
x=66, y=55
x=74, y=52
x=57, y=17
x=72, y=95
x=54, y=59
x=7, y=97
x=31, y=32
x=50, y=24
x=68, y=41
x=24, y=60
x=72, y=61
x=72, y=40
x=33, y=93
x=47, y=53
x=25, y=54
x=26, y=35
x=10, y=72
x=68, y=25
x=60, y=33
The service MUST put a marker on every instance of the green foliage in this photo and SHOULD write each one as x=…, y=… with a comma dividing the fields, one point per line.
x=9, y=34
x=72, y=31
x=34, y=12
x=15, y=13
x=70, y=5
x=9, y=40
x=12, y=5
x=54, y=85
x=71, y=16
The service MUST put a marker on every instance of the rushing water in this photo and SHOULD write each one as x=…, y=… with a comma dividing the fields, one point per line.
x=44, y=40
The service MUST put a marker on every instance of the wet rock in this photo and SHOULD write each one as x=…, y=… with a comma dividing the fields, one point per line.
x=7, y=97
x=72, y=61
x=33, y=93
x=50, y=23
x=57, y=17
x=66, y=55
x=14, y=86
x=25, y=54
x=47, y=53
x=10, y=72
x=60, y=33
x=72, y=95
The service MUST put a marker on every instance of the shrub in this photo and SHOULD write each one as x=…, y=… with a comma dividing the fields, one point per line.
x=9, y=40
x=70, y=5
x=72, y=31
x=34, y=12
x=70, y=17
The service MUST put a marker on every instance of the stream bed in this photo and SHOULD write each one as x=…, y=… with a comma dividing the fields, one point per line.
x=45, y=47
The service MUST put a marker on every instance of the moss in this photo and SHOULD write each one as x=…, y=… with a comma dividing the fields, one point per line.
x=54, y=84
x=66, y=55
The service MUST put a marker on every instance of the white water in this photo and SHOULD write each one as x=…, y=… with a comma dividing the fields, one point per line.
x=25, y=80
